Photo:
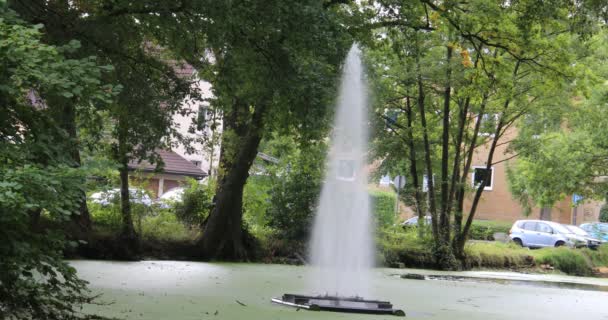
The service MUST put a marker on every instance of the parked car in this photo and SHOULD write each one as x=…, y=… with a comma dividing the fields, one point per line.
x=108, y=197
x=592, y=242
x=413, y=221
x=597, y=230
x=539, y=234
x=169, y=198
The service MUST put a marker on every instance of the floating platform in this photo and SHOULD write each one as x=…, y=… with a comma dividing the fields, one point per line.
x=338, y=304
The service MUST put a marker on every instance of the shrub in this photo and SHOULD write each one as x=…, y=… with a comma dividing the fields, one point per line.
x=566, y=260
x=599, y=256
x=383, y=207
x=109, y=218
x=485, y=230
x=396, y=245
x=106, y=217
x=165, y=226
x=196, y=203
x=256, y=200
x=604, y=213
x=35, y=281
x=293, y=197
x=497, y=255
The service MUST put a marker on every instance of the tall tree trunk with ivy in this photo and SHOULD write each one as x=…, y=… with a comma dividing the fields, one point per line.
x=223, y=233
x=128, y=236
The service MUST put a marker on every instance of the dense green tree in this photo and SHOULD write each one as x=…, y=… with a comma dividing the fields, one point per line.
x=272, y=66
x=563, y=151
x=154, y=82
x=453, y=77
x=295, y=192
x=37, y=177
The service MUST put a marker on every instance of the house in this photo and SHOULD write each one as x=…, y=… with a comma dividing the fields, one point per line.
x=174, y=173
x=497, y=202
x=202, y=125
x=199, y=124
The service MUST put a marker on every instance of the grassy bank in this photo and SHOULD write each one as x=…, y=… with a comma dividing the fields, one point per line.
x=164, y=236
x=406, y=248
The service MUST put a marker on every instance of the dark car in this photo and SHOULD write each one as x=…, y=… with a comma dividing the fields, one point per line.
x=592, y=242
x=597, y=230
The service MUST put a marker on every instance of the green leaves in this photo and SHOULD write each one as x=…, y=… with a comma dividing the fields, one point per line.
x=38, y=179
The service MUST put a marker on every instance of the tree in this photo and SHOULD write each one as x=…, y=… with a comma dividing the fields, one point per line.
x=458, y=76
x=562, y=152
x=272, y=66
x=35, y=173
x=154, y=83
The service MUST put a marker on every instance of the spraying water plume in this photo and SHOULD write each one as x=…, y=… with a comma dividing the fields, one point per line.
x=341, y=247
x=341, y=244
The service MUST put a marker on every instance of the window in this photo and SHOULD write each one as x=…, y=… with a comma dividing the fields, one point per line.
x=196, y=163
x=543, y=227
x=201, y=118
x=530, y=226
x=480, y=174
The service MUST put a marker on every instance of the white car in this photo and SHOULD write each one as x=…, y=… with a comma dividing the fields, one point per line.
x=413, y=221
x=108, y=197
x=170, y=197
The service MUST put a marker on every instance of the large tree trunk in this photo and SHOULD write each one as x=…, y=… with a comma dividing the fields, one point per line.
x=427, y=149
x=444, y=218
x=502, y=124
x=63, y=112
x=125, y=204
x=444, y=254
x=223, y=234
x=81, y=221
x=414, y=168
x=128, y=236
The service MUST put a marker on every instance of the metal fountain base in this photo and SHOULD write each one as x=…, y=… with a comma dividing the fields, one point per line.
x=338, y=304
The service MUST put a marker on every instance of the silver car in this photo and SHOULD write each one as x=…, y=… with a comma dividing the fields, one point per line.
x=539, y=234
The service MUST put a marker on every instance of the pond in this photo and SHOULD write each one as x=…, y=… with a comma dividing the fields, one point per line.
x=180, y=290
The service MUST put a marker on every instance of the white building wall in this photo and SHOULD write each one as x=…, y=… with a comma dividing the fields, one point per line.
x=202, y=155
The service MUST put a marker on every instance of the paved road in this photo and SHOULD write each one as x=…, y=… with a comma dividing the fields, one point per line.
x=189, y=290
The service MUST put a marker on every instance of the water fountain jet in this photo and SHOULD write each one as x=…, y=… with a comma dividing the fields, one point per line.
x=341, y=246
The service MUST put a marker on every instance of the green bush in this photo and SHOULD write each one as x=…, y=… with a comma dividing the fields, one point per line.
x=109, y=217
x=196, y=203
x=485, y=230
x=599, y=256
x=604, y=213
x=106, y=217
x=398, y=246
x=497, y=255
x=164, y=225
x=567, y=260
x=256, y=200
x=383, y=207
x=293, y=197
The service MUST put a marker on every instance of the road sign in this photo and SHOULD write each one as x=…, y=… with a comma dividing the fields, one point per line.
x=399, y=182
x=576, y=198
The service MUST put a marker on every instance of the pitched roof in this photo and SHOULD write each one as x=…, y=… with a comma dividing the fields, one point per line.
x=173, y=164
